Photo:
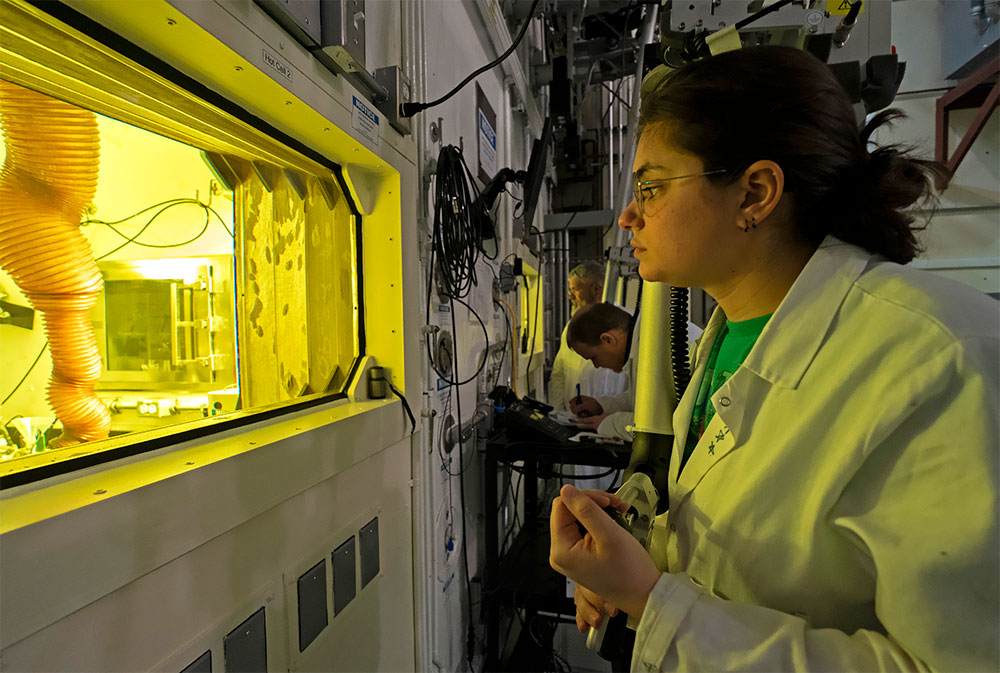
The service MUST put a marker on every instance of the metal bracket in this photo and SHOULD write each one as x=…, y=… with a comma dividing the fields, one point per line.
x=968, y=94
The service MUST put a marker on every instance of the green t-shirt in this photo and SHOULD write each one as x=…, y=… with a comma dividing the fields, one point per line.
x=728, y=352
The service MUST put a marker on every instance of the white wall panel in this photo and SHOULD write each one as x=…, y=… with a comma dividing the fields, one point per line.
x=165, y=618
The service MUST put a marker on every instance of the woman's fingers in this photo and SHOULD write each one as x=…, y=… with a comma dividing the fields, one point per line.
x=589, y=547
x=587, y=611
x=605, y=607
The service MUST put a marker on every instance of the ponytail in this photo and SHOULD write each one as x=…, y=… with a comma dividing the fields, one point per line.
x=889, y=180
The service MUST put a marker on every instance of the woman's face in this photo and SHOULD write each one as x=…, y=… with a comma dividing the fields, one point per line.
x=682, y=236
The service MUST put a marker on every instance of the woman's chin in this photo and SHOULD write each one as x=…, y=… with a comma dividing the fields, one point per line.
x=648, y=273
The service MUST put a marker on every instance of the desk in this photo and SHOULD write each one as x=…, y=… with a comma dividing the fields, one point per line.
x=524, y=574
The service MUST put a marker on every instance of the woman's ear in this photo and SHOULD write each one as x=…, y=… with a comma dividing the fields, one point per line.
x=763, y=183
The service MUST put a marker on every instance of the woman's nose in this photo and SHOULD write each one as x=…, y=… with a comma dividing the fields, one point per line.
x=630, y=219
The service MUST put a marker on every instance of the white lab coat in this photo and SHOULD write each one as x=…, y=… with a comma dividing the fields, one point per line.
x=621, y=407
x=568, y=369
x=840, y=511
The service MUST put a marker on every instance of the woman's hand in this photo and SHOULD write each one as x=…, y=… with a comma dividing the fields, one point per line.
x=607, y=560
x=587, y=406
x=590, y=609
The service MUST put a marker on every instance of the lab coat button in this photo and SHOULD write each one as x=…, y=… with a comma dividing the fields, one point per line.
x=724, y=401
x=673, y=527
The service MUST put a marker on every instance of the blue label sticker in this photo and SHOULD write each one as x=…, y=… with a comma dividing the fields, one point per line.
x=365, y=120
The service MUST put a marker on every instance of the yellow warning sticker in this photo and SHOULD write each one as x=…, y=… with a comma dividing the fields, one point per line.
x=842, y=6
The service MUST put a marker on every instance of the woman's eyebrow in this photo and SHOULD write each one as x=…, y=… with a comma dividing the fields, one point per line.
x=646, y=168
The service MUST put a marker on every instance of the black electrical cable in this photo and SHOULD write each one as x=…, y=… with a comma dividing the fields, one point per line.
x=410, y=109
x=679, y=339
x=132, y=239
x=25, y=377
x=482, y=363
x=471, y=635
x=177, y=245
x=170, y=203
x=614, y=94
x=406, y=406
x=516, y=522
x=503, y=352
x=136, y=235
x=457, y=242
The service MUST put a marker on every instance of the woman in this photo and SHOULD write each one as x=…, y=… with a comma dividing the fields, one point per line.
x=833, y=488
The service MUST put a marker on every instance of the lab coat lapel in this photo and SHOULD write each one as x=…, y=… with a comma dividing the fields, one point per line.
x=726, y=429
x=781, y=356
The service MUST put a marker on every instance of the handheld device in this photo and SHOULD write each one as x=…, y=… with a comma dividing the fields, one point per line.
x=528, y=419
x=641, y=497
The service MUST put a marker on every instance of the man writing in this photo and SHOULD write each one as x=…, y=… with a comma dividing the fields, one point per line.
x=600, y=334
x=569, y=370
x=604, y=335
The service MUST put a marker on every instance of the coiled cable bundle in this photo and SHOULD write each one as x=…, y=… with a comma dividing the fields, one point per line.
x=456, y=244
x=679, y=339
x=458, y=225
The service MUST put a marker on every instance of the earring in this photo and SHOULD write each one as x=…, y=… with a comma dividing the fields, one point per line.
x=750, y=224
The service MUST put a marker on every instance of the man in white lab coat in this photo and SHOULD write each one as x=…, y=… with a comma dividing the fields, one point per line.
x=605, y=335
x=569, y=370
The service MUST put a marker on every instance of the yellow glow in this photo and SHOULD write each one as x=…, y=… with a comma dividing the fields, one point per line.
x=185, y=270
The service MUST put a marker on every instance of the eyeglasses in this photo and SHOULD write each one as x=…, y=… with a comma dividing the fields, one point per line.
x=644, y=191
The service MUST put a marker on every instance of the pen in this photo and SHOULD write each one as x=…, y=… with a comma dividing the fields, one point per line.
x=579, y=399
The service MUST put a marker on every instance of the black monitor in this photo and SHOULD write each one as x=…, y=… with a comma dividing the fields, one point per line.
x=536, y=174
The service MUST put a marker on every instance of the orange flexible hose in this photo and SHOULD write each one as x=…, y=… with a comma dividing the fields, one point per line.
x=49, y=177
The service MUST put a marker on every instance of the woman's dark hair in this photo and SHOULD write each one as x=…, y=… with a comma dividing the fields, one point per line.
x=591, y=322
x=785, y=105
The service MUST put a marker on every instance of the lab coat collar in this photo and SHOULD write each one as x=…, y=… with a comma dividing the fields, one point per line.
x=795, y=332
x=781, y=356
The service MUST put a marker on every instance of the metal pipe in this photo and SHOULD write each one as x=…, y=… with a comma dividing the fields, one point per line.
x=412, y=36
x=611, y=149
x=610, y=272
x=655, y=399
x=365, y=81
x=628, y=156
x=567, y=267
